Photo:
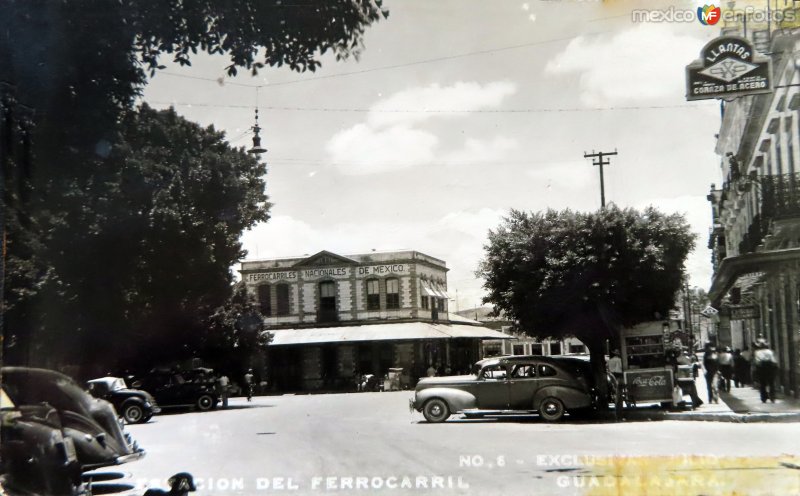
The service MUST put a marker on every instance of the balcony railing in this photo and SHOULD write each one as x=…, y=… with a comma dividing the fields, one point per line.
x=780, y=199
x=780, y=196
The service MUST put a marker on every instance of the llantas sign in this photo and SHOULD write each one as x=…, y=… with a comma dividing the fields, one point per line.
x=728, y=68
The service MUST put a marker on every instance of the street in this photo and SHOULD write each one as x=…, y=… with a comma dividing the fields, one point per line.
x=369, y=442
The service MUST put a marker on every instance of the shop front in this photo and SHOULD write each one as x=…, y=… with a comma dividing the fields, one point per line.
x=335, y=358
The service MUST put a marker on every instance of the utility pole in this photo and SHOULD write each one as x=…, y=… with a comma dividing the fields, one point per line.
x=598, y=160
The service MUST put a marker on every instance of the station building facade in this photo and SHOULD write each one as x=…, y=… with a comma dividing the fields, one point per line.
x=334, y=318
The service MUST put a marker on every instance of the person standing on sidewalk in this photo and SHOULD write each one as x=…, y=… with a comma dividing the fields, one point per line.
x=766, y=368
x=726, y=368
x=711, y=366
x=222, y=385
x=248, y=384
x=741, y=369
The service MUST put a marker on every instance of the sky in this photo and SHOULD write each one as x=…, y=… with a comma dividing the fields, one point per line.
x=455, y=112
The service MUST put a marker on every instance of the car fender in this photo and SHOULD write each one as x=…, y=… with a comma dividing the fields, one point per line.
x=457, y=400
x=571, y=397
x=136, y=400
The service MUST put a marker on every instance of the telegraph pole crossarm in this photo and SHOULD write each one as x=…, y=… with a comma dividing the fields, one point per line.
x=598, y=160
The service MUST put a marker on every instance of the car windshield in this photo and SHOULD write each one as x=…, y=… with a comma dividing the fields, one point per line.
x=118, y=384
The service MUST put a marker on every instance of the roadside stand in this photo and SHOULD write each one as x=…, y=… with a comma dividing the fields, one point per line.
x=649, y=375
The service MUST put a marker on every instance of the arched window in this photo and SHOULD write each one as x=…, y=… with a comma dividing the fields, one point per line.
x=392, y=293
x=264, y=299
x=282, y=291
x=373, y=294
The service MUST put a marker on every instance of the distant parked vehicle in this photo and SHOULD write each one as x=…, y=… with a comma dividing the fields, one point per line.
x=171, y=389
x=134, y=405
x=548, y=386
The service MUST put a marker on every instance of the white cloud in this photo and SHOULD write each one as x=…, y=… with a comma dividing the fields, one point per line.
x=437, y=101
x=391, y=138
x=365, y=150
x=643, y=63
x=573, y=176
x=477, y=150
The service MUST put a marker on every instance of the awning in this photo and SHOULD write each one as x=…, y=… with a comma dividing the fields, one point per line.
x=428, y=291
x=382, y=332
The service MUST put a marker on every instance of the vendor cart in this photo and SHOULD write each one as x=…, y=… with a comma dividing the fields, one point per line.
x=647, y=376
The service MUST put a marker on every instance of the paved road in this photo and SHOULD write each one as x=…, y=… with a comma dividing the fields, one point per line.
x=369, y=443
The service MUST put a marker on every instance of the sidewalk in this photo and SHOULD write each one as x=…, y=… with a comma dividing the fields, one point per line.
x=739, y=405
x=747, y=399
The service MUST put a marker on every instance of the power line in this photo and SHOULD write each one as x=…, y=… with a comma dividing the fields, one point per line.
x=221, y=80
x=436, y=111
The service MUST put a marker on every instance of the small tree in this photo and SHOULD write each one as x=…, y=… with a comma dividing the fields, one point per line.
x=235, y=336
x=585, y=274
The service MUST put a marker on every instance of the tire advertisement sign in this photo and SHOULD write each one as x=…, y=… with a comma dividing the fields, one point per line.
x=646, y=385
x=728, y=67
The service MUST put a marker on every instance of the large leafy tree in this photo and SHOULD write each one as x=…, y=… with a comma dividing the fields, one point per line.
x=70, y=71
x=585, y=274
x=163, y=228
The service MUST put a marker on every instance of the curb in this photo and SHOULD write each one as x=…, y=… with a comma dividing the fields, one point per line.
x=742, y=418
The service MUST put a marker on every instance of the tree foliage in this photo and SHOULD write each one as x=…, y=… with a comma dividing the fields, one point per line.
x=159, y=236
x=80, y=157
x=234, y=335
x=585, y=274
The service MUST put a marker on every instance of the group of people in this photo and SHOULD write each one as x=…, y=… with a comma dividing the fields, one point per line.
x=726, y=366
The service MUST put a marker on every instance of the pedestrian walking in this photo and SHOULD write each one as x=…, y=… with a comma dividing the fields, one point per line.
x=687, y=386
x=222, y=384
x=766, y=368
x=741, y=369
x=248, y=384
x=711, y=367
x=725, y=359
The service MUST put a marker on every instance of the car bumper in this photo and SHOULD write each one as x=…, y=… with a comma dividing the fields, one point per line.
x=412, y=406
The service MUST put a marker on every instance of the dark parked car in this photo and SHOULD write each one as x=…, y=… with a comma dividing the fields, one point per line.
x=171, y=389
x=134, y=405
x=36, y=456
x=515, y=384
x=92, y=424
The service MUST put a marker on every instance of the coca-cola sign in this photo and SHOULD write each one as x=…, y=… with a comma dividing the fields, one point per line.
x=655, y=380
x=650, y=384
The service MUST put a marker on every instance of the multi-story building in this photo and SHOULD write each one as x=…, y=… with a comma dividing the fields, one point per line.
x=755, y=238
x=334, y=318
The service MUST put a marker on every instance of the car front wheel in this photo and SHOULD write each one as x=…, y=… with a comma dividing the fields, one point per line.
x=205, y=402
x=133, y=414
x=551, y=409
x=436, y=411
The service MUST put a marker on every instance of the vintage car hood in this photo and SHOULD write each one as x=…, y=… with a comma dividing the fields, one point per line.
x=450, y=379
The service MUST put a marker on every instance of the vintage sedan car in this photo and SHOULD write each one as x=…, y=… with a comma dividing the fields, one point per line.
x=92, y=424
x=548, y=386
x=172, y=389
x=134, y=405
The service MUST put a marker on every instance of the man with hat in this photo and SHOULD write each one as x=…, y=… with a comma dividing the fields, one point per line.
x=766, y=368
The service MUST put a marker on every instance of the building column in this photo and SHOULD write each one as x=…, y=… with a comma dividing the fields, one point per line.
x=792, y=317
x=781, y=346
